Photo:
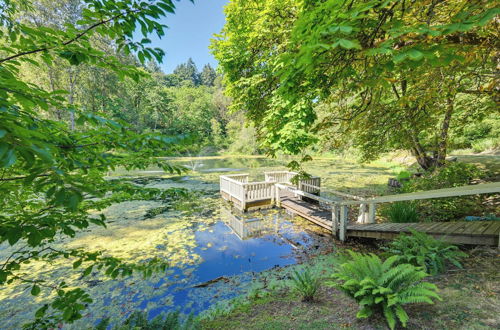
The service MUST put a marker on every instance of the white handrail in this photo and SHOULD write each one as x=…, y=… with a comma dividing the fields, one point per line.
x=483, y=188
x=305, y=194
x=335, y=192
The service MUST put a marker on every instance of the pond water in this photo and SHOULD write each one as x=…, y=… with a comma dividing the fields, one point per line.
x=215, y=253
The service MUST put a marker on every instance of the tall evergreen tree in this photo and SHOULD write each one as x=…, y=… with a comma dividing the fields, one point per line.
x=207, y=75
x=188, y=71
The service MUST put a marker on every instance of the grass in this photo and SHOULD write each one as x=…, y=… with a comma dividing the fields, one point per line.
x=470, y=301
x=400, y=212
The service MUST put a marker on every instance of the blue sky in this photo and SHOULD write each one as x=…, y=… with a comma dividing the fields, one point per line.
x=189, y=33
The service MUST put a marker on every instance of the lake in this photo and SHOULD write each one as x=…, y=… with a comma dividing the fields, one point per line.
x=215, y=253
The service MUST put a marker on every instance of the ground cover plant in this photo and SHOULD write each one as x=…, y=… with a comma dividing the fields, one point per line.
x=422, y=250
x=469, y=301
x=400, y=212
x=306, y=283
x=140, y=321
x=383, y=286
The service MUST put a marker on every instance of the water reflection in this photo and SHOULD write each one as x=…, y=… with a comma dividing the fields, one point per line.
x=249, y=225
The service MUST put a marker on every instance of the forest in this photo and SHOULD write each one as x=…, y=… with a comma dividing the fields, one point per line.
x=111, y=169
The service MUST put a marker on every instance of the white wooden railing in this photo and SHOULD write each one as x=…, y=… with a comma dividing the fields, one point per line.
x=233, y=185
x=339, y=208
x=279, y=176
x=238, y=187
x=255, y=191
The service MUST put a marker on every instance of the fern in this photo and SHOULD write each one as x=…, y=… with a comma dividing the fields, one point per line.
x=383, y=286
x=306, y=283
x=420, y=249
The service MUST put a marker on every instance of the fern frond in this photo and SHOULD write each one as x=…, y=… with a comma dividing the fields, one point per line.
x=401, y=314
x=389, y=316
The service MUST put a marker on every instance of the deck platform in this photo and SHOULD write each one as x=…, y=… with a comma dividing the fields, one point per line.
x=460, y=232
x=303, y=197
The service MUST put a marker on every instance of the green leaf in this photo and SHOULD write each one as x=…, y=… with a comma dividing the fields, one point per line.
x=77, y=263
x=41, y=311
x=2, y=133
x=35, y=290
x=88, y=270
x=349, y=44
x=415, y=55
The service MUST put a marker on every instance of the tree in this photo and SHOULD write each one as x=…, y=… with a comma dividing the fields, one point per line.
x=50, y=177
x=373, y=74
x=188, y=71
x=207, y=75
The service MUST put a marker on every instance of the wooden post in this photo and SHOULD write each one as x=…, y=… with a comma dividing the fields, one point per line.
x=343, y=223
x=278, y=201
x=335, y=220
x=244, y=201
x=363, y=214
x=371, y=213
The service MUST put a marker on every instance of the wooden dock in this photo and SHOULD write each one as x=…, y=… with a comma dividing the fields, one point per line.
x=303, y=199
x=460, y=232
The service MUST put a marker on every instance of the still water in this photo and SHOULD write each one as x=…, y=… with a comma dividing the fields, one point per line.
x=215, y=253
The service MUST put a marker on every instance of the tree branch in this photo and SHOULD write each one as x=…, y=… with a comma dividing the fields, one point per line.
x=78, y=36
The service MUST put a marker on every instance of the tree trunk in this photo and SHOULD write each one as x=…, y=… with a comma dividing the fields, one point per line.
x=443, y=138
x=418, y=151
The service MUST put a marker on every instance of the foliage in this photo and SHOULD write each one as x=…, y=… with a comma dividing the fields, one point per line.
x=383, y=286
x=55, y=155
x=140, y=321
x=403, y=175
x=400, y=212
x=454, y=174
x=242, y=137
x=306, y=283
x=188, y=72
x=376, y=75
x=208, y=75
x=422, y=250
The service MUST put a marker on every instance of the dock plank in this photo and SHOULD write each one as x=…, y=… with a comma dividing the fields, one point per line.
x=460, y=232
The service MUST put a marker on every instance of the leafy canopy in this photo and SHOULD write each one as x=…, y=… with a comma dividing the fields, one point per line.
x=378, y=75
x=52, y=175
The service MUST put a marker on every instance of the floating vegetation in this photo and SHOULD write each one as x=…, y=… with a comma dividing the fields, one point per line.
x=198, y=236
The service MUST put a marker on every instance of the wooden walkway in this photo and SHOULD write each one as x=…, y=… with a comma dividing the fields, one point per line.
x=304, y=199
x=460, y=232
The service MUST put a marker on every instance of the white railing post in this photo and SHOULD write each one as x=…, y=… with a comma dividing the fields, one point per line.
x=343, y=222
x=371, y=213
x=335, y=219
x=363, y=214
x=278, y=199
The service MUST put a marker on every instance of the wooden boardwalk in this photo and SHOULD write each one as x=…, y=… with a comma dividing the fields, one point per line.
x=460, y=232
x=304, y=199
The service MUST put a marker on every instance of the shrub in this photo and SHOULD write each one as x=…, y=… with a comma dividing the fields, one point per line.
x=446, y=209
x=401, y=212
x=403, y=175
x=140, y=321
x=306, y=283
x=425, y=251
x=383, y=286
x=486, y=144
